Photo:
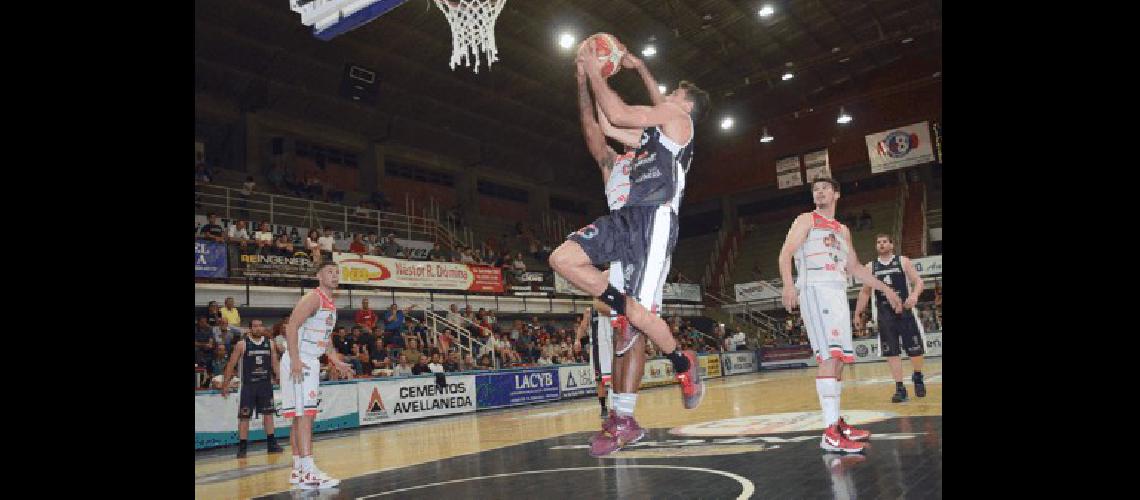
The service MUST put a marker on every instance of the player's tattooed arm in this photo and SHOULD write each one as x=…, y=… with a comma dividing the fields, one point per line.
x=591, y=130
x=916, y=284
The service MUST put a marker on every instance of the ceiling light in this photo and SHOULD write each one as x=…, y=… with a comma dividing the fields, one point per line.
x=726, y=123
x=648, y=51
x=787, y=76
x=766, y=11
x=845, y=59
x=661, y=88
x=907, y=40
x=844, y=118
x=766, y=137
x=566, y=40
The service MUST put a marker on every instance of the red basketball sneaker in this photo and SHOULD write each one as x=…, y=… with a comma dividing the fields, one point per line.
x=851, y=432
x=834, y=440
x=692, y=388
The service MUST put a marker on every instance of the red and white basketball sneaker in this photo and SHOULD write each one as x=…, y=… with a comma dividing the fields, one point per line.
x=295, y=476
x=851, y=432
x=317, y=480
x=834, y=440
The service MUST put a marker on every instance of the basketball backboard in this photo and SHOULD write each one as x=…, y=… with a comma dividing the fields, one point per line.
x=331, y=18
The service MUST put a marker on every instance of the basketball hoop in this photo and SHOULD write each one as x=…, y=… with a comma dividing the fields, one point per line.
x=472, y=29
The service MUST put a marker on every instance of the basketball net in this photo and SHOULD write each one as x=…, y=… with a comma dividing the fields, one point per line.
x=472, y=29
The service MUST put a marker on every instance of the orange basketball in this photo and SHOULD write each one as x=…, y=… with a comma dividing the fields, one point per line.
x=608, y=50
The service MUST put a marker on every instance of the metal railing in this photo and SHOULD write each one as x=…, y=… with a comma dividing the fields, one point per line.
x=461, y=334
x=745, y=312
x=461, y=330
x=287, y=210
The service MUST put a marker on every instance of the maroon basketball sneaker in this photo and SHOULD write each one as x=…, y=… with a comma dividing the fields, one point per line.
x=851, y=432
x=616, y=433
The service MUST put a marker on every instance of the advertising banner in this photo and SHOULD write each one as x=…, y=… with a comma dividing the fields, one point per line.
x=657, y=372
x=690, y=292
x=816, y=165
x=710, y=365
x=414, y=397
x=516, y=387
x=738, y=362
x=788, y=172
x=900, y=148
x=356, y=269
x=576, y=380
x=215, y=417
x=756, y=290
x=209, y=259
x=266, y=263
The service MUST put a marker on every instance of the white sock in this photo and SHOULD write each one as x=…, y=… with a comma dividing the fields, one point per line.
x=623, y=404
x=828, y=399
x=610, y=397
x=297, y=462
x=307, y=464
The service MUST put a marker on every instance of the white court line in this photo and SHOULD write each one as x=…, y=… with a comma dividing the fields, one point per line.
x=748, y=487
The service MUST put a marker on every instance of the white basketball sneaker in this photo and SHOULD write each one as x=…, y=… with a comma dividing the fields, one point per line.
x=295, y=476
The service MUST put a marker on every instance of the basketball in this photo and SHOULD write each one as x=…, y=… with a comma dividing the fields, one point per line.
x=609, y=50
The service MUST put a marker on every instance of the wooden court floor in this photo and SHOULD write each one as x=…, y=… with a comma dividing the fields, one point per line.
x=354, y=453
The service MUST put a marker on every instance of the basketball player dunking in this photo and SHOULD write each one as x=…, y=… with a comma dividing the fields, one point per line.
x=898, y=273
x=824, y=255
x=307, y=337
x=642, y=233
x=256, y=355
x=628, y=365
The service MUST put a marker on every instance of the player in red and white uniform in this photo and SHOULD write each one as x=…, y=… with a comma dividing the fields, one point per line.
x=307, y=338
x=824, y=255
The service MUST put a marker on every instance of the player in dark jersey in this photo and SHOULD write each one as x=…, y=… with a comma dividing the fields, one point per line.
x=643, y=231
x=897, y=272
x=595, y=342
x=257, y=356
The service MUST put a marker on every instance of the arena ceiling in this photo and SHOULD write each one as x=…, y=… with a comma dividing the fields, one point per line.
x=520, y=115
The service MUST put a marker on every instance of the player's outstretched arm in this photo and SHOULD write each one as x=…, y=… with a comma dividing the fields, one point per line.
x=916, y=285
x=228, y=375
x=591, y=130
x=796, y=236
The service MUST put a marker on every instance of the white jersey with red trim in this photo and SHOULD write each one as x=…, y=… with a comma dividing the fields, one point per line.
x=617, y=185
x=313, y=335
x=822, y=259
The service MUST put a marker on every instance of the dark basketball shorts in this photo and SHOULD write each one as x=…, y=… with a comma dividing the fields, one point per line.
x=256, y=397
x=897, y=329
x=642, y=239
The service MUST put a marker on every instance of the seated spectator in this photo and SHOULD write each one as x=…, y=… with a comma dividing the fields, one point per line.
x=518, y=264
x=284, y=245
x=393, y=320
x=211, y=230
x=248, y=186
x=436, y=253
x=239, y=233
x=326, y=242
x=357, y=245
x=413, y=350
x=312, y=243
x=224, y=335
x=203, y=342
x=233, y=317
x=217, y=364
x=465, y=256
x=485, y=362
x=378, y=356
x=452, y=363
x=365, y=336
x=371, y=244
x=468, y=363
x=421, y=366
x=366, y=316
x=404, y=367
x=263, y=237
x=202, y=173
x=436, y=363
x=389, y=247
x=446, y=340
